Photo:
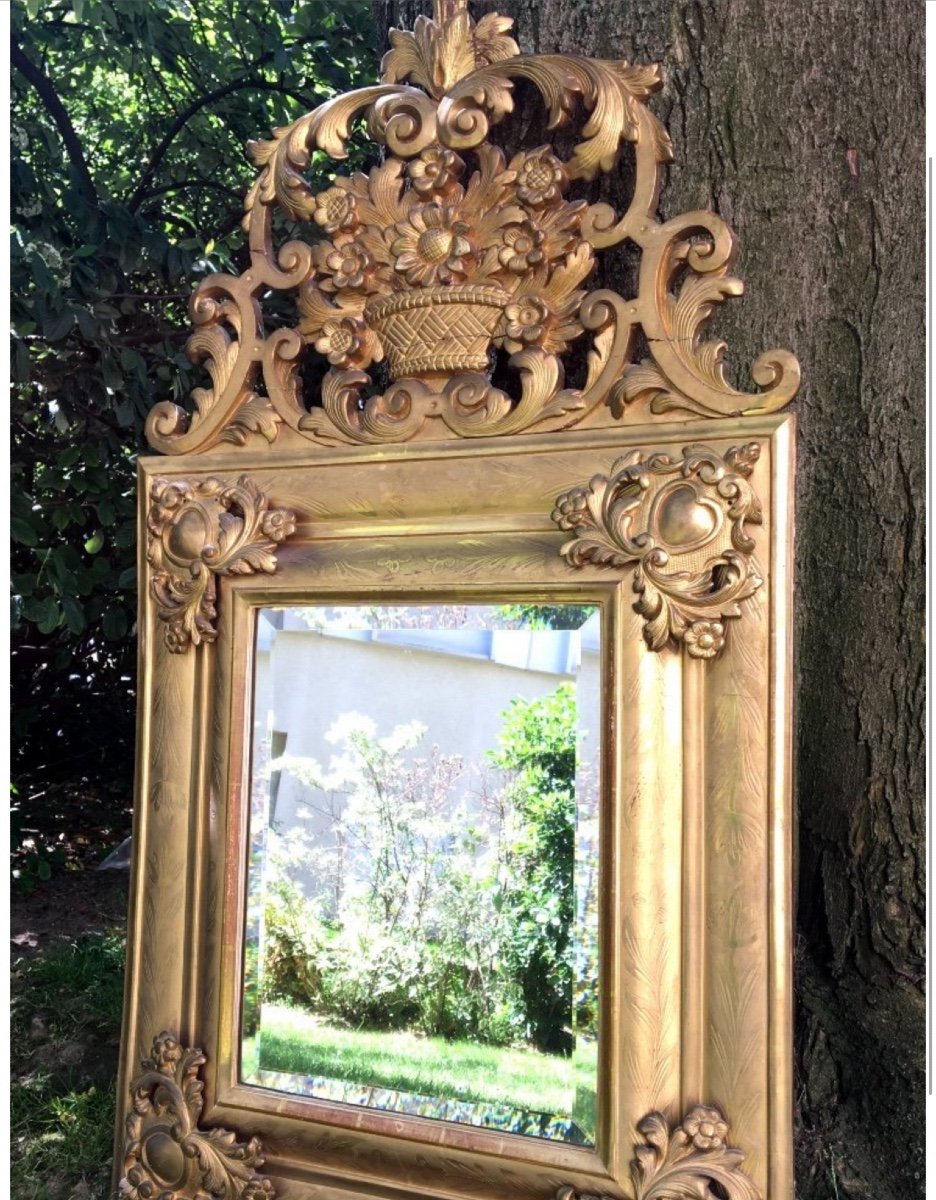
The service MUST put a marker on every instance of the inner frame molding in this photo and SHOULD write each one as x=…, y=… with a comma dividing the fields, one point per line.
x=652, y=489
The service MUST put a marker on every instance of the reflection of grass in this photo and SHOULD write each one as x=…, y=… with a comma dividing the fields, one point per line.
x=298, y=1043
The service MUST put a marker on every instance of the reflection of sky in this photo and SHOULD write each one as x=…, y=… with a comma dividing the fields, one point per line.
x=553, y=651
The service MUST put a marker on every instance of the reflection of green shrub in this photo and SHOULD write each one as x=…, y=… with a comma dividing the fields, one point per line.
x=538, y=745
x=292, y=946
x=428, y=917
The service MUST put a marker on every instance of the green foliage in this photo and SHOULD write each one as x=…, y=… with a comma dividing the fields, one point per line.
x=66, y=1010
x=538, y=744
x=429, y=914
x=129, y=123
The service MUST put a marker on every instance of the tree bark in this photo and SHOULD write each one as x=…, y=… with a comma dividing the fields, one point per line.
x=802, y=125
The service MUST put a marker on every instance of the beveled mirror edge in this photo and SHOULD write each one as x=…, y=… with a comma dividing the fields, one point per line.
x=161, y=992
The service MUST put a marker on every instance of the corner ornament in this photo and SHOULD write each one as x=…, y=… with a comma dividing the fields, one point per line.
x=166, y=1155
x=681, y=523
x=199, y=530
x=450, y=251
x=691, y=1162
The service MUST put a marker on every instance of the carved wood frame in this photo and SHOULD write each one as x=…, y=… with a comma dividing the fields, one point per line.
x=654, y=489
x=696, y=933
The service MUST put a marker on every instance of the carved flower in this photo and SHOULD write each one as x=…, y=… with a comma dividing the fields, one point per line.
x=177, y=637
x=279, y=523
x=541, y=178
x=523, y=247
x=334, y=210
x=527, y=322
x=259, y=1188
x=136, y=1185
x=342, y=339
x=431, y=247
x=435, y=172
x=705, y=1126
x=348, y=264
x=571, y=511
x=166, y=1050
x=704, y=639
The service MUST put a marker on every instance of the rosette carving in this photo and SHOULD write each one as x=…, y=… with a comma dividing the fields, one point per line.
x=199, y=530
x=682, y=524
x=691, y=1162
x=450, y=251
x=166, y=1155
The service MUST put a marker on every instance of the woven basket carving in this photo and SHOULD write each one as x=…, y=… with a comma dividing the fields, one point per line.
x=437, y=328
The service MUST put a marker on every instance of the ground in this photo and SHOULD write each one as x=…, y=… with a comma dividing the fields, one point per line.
x=66, y=991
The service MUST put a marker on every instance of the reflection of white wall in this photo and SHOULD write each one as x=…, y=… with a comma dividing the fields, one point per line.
x=305, y=679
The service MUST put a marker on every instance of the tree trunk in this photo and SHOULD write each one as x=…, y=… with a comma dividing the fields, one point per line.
x=802, y=125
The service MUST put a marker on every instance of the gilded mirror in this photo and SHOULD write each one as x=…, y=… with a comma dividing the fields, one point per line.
x=462, y=833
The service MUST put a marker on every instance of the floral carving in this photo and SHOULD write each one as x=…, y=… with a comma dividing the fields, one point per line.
x=691, y=1162
x=199, y=530
x=166, y=1155
x=681, y=523
x=448, y=252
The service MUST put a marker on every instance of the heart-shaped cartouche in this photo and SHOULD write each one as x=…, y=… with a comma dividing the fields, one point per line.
x=682, y=519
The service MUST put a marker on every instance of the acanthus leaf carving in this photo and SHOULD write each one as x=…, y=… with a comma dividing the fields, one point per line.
x=681, y=523
x=166, y=1155
x=447, y=252
x=692, y=1161
x=199, y=530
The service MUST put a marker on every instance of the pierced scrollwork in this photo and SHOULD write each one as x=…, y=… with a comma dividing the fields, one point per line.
x=681, y=523
x=199, y=530
x=166, y=1155
x=450, y=250
x=691, y=1162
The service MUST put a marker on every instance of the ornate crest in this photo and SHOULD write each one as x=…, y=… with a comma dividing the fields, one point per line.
x=681, y=523
x=166, y=1155
x=450, y=251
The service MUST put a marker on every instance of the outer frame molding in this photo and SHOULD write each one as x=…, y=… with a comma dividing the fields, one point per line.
x=696, y=930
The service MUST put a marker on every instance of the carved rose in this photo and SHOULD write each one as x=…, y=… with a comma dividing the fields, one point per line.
x=540, y=177
x=523, y=247
x=435, y=172
x=431, y=247
x=259, y=1189
x=705, y=1126
x=278, y=524
x=349, y=264
x=704, y=640
x=527, y=322
x=571, y=509
x=334, y=210
x=342, y=340
x=166, y=1050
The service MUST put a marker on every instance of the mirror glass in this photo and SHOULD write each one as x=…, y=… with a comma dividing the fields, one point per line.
x=422, y=925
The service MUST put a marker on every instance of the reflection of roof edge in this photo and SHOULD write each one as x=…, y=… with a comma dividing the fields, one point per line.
x=409, y=640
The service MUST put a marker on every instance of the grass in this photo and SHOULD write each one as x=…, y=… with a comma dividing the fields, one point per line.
x=299, y=1043
x=65, y=1026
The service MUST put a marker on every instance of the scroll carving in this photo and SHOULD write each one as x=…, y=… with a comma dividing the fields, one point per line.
x=450, y=250
x=692, y=1161
x=201, y=529
x=166, y=1155
x=682, y=524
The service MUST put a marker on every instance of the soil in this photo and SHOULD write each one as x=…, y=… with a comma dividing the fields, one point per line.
x=68, y=906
